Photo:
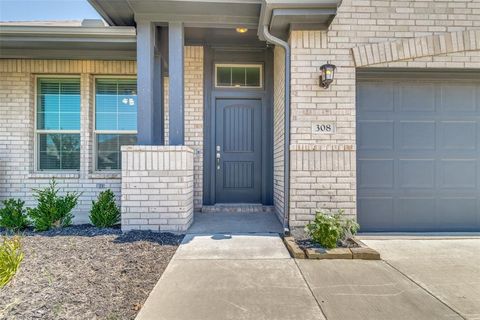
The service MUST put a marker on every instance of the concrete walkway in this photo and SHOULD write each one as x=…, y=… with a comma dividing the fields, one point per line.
x=234, y=277
x=251, y=276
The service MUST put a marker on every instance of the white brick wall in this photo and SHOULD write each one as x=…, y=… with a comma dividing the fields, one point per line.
x=157, y=188
x=278, y=131
x=194, y=116
x=193, y=63
x=358, y=23
x=17, y=85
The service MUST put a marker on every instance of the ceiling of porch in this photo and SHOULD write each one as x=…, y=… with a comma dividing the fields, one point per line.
x=227, y=37
x=280, y=16
x=194, y=13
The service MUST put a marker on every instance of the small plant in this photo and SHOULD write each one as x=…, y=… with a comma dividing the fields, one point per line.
x=52, y=211
x=11, y=256
x=328, y=229
x=13, y=215
x=105, y=212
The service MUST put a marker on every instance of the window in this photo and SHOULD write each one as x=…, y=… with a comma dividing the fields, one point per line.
x=115, y=120
x=58, y=124
x=238, y=76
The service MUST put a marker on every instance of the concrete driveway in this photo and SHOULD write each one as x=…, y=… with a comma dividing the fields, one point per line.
x=448, y=269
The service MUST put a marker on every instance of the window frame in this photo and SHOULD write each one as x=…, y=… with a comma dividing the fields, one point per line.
x=37, y=132
x=246, y=65
x=94, y=124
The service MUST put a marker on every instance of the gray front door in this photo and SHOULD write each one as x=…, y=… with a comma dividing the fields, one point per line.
x=418, y=157
x=238, y=150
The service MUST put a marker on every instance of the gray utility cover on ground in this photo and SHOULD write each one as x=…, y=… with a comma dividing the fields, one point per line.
x=418, y=154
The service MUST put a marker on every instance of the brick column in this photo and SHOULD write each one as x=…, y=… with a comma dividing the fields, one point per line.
x=157, y=188
x=322, y=166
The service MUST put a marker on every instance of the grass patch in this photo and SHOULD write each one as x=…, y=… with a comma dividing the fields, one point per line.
x=11, y=255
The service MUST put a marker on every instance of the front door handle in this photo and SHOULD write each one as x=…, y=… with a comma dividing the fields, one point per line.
x=218, y=160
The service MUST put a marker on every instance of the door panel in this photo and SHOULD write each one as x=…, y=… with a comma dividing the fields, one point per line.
x=238, y=150
x=418, y=155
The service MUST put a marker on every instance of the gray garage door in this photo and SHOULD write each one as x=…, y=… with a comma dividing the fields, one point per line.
x=418, y=157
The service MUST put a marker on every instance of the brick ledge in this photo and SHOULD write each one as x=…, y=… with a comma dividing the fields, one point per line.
x=322, y=147
x=56, y=175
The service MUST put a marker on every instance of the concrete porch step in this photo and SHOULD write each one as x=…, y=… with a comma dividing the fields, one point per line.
x=238, y=208
x=235, y=222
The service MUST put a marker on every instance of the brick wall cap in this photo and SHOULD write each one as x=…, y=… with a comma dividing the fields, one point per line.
x=157, y=148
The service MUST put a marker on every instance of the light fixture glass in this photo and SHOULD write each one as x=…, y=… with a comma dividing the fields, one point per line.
x=327, y=73
x=241, y=29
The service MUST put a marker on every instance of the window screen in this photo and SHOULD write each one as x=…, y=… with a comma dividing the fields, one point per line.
x=58, y=124
x=115, y=120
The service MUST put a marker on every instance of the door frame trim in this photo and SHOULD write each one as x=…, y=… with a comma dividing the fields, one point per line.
x=211, y=94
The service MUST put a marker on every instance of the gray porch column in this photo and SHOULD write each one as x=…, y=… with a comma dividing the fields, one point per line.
x=158, y=102
x=175, y=70
x=149, y=86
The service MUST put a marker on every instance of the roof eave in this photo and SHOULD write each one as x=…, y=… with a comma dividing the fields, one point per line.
x=282, y=16
x=67, y=42
x=96, y=5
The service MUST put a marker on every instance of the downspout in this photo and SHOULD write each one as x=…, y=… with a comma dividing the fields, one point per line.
x=286, y=149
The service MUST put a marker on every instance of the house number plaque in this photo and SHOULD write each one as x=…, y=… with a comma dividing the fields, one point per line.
x=323, y=128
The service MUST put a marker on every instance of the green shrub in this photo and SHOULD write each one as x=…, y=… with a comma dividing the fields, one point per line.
x=328, y=229
x=105, y=212
x=11, y=256
x=52, y=211
x=13, y=216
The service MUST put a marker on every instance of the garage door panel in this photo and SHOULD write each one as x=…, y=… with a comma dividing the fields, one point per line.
x=417, y=173
x=382, y=94
x=458, y=213
x=458, y=135
x=459, y=97
x=375, y=173
x=456, y=174
x=375, y=135
x=430, y=179
x=416, y=135
x=417, y=97
x=414, y=213
x=376, y=212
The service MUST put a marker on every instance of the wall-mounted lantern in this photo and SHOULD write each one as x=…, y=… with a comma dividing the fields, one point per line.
x=327, y=74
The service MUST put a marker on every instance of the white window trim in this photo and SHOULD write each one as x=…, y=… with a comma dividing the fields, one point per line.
x=94, y=125
x=246, y=65
x=37, y=132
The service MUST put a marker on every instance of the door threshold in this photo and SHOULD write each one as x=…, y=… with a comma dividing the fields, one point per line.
x=238, y=207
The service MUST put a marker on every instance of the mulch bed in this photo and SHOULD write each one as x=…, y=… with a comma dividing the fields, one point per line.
x=305, y=244
x=83, y=272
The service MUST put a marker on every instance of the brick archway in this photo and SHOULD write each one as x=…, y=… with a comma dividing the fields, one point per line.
x=404, y=49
